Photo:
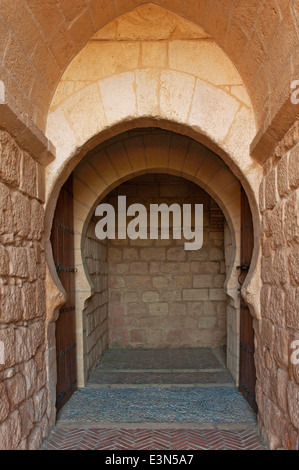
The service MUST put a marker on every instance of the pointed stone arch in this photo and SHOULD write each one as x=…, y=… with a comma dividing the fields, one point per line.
x=204, y=100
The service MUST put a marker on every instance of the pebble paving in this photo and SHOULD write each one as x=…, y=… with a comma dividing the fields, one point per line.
x=173, y=385
x=157, y=399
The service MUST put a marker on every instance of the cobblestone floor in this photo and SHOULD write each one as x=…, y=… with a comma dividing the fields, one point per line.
x=157, y=399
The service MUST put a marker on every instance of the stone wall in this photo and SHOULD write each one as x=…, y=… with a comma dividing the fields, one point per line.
x=161, y=295
x=23, y=377
x=277, y=377
x=96, y=308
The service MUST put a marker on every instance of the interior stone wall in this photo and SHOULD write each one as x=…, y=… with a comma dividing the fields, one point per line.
x=277, y=374
x=23, y=374
x=161, y=295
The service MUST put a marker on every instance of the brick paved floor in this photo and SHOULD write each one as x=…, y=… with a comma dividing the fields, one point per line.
x=175, y=399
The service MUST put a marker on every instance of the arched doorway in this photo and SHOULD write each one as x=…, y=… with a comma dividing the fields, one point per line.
x=144, y=148
x=162, y=95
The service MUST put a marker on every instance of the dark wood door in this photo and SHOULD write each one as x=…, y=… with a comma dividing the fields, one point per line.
x=62, y=238
x=247, y=367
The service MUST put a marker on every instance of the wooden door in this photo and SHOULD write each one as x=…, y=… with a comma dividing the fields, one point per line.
x=62, y=239
x=247, y=367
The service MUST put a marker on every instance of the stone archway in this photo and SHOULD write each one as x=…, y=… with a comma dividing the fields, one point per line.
x=161, y=152
x=172, y=96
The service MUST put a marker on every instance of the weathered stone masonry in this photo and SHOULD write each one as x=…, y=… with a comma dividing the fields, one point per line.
x=63, y=64
x=23, y=377
x=277, y=377
x=160, y=294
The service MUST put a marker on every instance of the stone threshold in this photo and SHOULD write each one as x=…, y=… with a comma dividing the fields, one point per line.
x=147, y=425
x=125, y=371
x=159, y=385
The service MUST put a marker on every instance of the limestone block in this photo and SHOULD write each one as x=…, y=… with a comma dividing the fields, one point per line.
x=101, y=59
x=130, y=254
x=183, y=281
x=85, y=113
x=172, y=295
x=26, y=411
x=4, y=403
x=267, y=333
x=277, y=306
x=293, y=399
x=37, y=219
x=282, y=349
x=18, y=264
x=61, y=134
x=16, y=390
x=176, y=254
x=119, y=157
x=291, y=307
x=294, y=265
x=35, y=438
x=130, y=297
x=207, y=322
x=28, y=184
x=138, y=268
x=4, y=261
x=158, y=308
x=265, y=300
x=147, y=91
x=134, y=282
x=30, y=374
x=154, y=54
x=176, y=91
x=136, y=153
x=21, y=214
x=102, y=164
x=280, y=270
x=282, y=176
x=10, y=302
x=293, y=168
x=24, y=344
x=156, y=151
x=10, y=160
x=291, y=218
x=209, y=106
x=262, y=205
x=216, y=254
x=271, y=196
x=195, y=294
x=217, y=294
x=267, y=269
x=138, y=336
x=116, y=282
x=120, y=268
x=205, y=60
x=116, y=109
x=10, y=432
x=29, y=298
x=5, y=210
x=160, y=282
x=153, y=253
x=40, y=404
x=83, y=193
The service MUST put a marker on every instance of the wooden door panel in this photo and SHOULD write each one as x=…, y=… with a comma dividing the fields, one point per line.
x=62, y=239
x=247, y=378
